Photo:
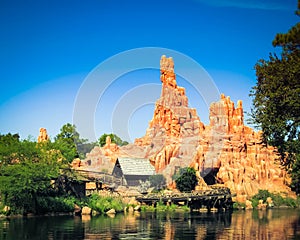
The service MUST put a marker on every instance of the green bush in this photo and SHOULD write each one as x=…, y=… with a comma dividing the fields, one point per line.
x=238, y=205
x=254, y=202
x=161, y=207
x=186, y=179
x=54, y=204
x=185, y=208
x=103, y=204
x=290, y=202
x=145, y=208
x=278, y=200
x=262, y=195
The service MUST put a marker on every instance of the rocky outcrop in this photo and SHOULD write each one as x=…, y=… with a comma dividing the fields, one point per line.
x=43, y=136
x=100, y=158
x=172, y=117
x=225, y=151
x=173, y=133
x=243, y=162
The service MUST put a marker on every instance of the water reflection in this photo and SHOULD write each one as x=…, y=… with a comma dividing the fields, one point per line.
x=271, y=224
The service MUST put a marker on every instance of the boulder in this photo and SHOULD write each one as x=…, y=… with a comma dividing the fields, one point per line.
x=270, y=202
x=111, y=211
x=86, y=211
x=137, y=208
x=261, y=204
x=248, y=204
x=77, y=209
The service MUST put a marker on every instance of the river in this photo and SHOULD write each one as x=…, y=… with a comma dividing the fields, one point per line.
x=263, y=224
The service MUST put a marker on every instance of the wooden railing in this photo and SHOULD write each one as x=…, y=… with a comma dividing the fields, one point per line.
x=102, y=177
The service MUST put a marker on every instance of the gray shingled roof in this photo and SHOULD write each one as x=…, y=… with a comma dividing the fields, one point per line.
x=136, y=166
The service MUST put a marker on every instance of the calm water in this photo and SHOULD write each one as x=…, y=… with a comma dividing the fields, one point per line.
x=272, y=224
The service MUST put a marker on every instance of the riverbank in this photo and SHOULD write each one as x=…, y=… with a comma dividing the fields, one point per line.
x=268, y=224
x=108, y=203
x=264, y=199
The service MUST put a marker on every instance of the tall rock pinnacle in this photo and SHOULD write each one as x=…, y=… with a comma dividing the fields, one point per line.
x=172, y=116
x=43, y=136
x=225, y=151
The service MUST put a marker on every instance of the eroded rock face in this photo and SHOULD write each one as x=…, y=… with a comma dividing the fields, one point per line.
x=244, y=164
x=43, y=136
x=177, y=138
x=172, y=116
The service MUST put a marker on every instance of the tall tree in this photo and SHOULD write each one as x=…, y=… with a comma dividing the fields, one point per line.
x=70, y=144
x=28, y=176
x=66, y=141
x=114, y=139
x=9, y=144
x=276, y=99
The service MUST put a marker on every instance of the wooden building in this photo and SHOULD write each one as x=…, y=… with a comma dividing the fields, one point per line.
x=132, y=170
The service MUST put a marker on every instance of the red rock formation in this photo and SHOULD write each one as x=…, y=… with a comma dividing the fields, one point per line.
x=43, y=135
x=172, y=116
x=244, y=164
x=174, y=129
x=177, y=138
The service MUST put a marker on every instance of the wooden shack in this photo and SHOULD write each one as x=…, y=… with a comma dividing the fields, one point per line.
x=132, y=170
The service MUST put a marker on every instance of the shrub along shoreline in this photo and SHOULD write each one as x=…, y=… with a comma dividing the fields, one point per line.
x=102, y=204
x=98, y=205
x=265, y=199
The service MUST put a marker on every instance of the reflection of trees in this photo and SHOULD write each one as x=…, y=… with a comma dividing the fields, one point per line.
x=176, y=225
x=42, y=228
x=270, y=224
x=260, y=224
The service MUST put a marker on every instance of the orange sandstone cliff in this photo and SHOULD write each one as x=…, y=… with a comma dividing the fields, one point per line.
x=225, y=151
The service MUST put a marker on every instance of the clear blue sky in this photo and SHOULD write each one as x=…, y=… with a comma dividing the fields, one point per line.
x=48, y=47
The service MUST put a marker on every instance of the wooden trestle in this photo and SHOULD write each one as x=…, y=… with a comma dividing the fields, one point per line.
x=215, y=198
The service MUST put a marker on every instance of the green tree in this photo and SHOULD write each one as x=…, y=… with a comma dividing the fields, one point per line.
x=70, y=144
x=276, y=99
x=28, y=176
x=114, y=139
x=186, y=179
x=9, y=144
x=66, y=141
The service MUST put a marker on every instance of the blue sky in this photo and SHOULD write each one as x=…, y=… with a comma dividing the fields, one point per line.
x=47, y=48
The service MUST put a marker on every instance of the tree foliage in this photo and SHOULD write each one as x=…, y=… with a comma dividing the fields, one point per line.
x=70, y=144
x=28, y=176
x=9, y=144
x=186, y=179
x=66, y=141
x=31, y=172
x=114, y=139
x=276, y=99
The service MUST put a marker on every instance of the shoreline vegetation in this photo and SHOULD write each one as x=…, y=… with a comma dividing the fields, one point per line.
x=110, y=204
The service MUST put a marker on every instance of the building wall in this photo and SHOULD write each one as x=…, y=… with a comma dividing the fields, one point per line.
x=134, y=180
